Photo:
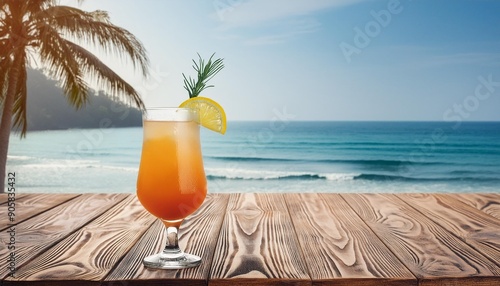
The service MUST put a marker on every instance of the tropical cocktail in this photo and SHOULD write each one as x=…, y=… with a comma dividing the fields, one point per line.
x=171, y=183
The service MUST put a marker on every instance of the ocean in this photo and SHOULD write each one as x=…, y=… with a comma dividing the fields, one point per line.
x=395, y=157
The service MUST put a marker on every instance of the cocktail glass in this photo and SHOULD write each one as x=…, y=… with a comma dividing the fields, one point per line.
x=171, y=183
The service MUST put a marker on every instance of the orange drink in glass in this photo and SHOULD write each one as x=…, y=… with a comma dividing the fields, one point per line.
x=171, y=183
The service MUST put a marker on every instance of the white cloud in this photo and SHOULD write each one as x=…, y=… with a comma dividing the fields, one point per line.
x=287, y=32
x=266, y=22
x=240, y=13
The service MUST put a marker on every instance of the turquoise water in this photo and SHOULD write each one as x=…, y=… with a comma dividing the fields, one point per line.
x=267, y=157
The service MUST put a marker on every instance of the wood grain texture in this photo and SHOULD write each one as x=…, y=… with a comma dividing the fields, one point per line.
x=472, y=226
x=33, y=204
x=338, y=246
x=38, y=234
x=488, y=203
x=198, y=235
x=89, y=254
x=4, y=197
x=260, y=239
x=257, y=244
x=435, y=256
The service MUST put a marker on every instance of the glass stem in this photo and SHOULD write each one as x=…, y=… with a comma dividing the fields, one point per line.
x=172, y=244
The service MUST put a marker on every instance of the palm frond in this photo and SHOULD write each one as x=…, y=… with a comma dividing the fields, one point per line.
x=101, y=16
x=3, y=30
x=105, y=77
x=94, y=28
x=54, y=53
x=19, y=110
x=35, y=6
x=4, y=71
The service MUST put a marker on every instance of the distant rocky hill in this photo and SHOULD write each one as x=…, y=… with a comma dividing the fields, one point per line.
x=48, y=108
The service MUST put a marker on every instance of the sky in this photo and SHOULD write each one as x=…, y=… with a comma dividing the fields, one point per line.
x=363, y=60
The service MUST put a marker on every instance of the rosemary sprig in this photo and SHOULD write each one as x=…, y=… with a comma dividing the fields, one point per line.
x=205, y=73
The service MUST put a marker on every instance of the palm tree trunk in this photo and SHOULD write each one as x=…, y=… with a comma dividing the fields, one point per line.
x=6, y=124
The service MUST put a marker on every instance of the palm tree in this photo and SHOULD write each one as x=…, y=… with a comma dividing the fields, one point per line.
x=44, y=32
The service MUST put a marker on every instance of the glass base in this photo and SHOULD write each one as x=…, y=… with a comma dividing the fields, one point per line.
x=172, y=261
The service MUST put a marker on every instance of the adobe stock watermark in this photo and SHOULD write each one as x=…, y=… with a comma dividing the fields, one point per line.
x=277, y=124
x=222, y=7
x=363, y=36
x=10, y=242
x=156, y=78
x=95, y=137
x=456, y=114
x=470, y=104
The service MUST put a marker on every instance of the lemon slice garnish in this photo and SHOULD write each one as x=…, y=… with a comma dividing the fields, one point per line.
x=212, y=115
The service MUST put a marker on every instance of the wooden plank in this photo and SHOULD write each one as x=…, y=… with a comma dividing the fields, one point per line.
x=4, y=197
x=472, y=226
x=198, y=235
x=257, y=244
x=339, y=248
x=32, y=205
x=87, y=255
x=435, y=256
x=38, y=234
x=488, y=203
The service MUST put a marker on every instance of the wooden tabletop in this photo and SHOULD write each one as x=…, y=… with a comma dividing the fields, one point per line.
x=257, y=239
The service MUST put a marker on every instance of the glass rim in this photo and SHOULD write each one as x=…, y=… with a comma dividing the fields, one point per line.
x=167, y=108
x=169, y=114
